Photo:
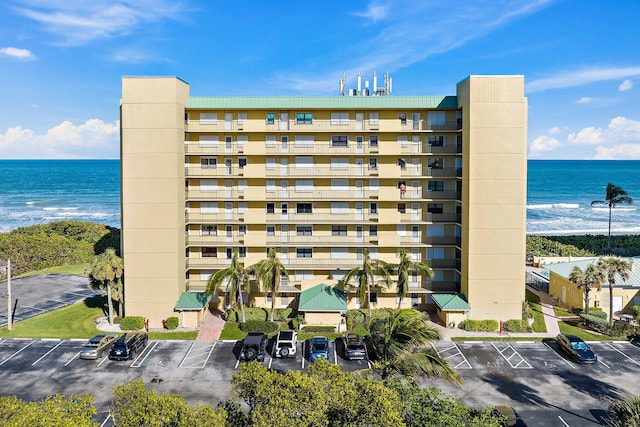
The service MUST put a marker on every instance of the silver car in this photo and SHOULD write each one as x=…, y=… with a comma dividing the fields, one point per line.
x=97, y=346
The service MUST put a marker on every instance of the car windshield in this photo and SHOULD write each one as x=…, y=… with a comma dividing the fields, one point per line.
x=356, y=346
x=319, y=346
x=579, y=346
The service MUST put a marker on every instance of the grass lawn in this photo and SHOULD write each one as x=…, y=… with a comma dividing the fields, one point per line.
x=77, y=269
x=562, y=312
x=496, y=339
x=173, y=335
x=567, y=328
x=539, y=324
x=74, y=321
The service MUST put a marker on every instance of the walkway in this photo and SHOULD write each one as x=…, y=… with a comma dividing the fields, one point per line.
x=211, y=326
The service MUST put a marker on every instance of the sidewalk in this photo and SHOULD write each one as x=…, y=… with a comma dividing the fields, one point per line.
x=550, y=319
x=211, y=326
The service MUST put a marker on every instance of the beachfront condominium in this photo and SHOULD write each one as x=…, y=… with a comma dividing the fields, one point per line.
x=323, y=180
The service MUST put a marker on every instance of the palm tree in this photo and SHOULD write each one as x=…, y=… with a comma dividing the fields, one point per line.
x=614, y=196
x=269, y=272
x=624, y=413
x=106, y=270
x=234, y=277
x=364, y=276
x=612, y=267
x=591, y=278
x=399, y=340
x=403, y=268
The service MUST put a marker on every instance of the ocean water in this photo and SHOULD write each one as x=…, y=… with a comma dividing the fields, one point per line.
x=40, y=191
x=558, y=200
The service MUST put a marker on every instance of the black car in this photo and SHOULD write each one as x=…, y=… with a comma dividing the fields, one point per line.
x=576, y=348
x=253, y=347
x=128, y=345
x=354, y=347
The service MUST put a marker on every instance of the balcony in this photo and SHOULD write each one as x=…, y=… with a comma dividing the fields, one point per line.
x=319, y=218
x=207, y=263
x=427, y=172
x=442, y=195
x=354, y=171
x=430, y=217
x=320, y=240
x=220, y=239
x=320, y=263
x=322, y=148
x=424, y=148
x=197, y=147
x=443, y=240
x=227, y=193
x=444, y=263
x=225, y=217
x=220, y=171
x=322, y=195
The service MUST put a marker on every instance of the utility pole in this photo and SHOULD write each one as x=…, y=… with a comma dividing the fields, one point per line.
x=7, y=265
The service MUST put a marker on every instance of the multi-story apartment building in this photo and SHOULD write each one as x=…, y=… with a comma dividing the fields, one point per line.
x=321, y=179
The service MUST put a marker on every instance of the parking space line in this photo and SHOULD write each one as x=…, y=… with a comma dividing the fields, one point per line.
x=509, y=347
x=105, y=420
x=335, y=354
x=303, y=342
x=563, y=421
x=133, y=364
x=75, y=356
x=634, y=361
x=17, y=352
x=458, y=352
x=186, y=354
x=600, y=360
x=104, y=359
x=571, y=365
x=32, y=307
x=47, y=353
x=191, y=349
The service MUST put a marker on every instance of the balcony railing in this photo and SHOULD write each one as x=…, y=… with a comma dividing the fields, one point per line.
x=313, y=218
x=322, y=195
x=226, y=217
x=425, y=148
x=198, y=147
x=320, y=171
x=221, y=238
x=219, y=171
x=442, y=195
x=232, y=193
x=208, y=263
x=323, y=148
x=431, y=217
x=419, y=171
x=320, y=239
x=444, y=263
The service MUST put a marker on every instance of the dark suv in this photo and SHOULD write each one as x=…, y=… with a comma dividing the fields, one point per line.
x=253, y=347
x=354, y=348
x=128, y=345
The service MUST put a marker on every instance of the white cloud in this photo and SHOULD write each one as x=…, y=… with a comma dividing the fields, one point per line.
x=374, y=13
x=618, y=152
x=76, y=22
x=93, y=139
x=625, y=85
x=584, y=100
x=580, y=77
x=16, y=52
x=541, y=144
x=554, y=130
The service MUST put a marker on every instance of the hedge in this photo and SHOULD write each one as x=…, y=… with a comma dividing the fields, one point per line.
x=319, y=329
x=132, y=323
x=597, y=313
x=356, y=318
x=516, y=325
x=602, y=326
x=489, y=325
x=260, y=314
x=258, y=326
x=171, y=322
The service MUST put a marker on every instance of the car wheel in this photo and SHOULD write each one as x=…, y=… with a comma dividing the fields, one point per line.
x=284, y=352
x=250, y=354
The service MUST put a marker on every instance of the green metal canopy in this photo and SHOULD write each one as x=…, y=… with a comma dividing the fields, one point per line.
x=192, y=301
x=451, y=302
x=322, y=297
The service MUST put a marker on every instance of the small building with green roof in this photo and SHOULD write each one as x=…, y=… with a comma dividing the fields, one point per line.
x=323, y=305
x=452, y=308
x=191, y=306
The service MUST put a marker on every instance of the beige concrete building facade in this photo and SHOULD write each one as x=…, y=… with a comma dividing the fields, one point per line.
x=320, y=179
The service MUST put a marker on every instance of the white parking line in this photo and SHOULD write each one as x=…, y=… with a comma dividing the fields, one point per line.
x=600, y=360
x=33, y=308
x=458, y=353
x=191, y=349
x=17, y=352
x=558, y=356
x=303, y=342
x=105, y=420
x=634, y=361
x=75, y=356
x=509, y=348
x=104, y=359
x=186, y=354
x=335, y=354
x=563, y=421
x=133, y=364
x=47, y=353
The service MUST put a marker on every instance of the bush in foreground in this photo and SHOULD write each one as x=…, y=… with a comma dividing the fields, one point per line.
x=132, y=323
x=489, y=325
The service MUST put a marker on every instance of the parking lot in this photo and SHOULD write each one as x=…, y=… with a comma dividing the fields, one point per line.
x=543, y=386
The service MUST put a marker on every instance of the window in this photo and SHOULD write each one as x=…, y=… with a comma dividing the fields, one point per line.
x=284, y=208
x=303, y=140
x=209, y=252
x=374, y=185
x=242, y=230
x=436, y=186
x=435, y=163
x=304, y=185
x=208, y=207
x=373, y=119
x=228, y=140
x=270, y=186
x=339, y=253
x=373, y=297
x=304, y=252
x=304, y=208
x=436, y=140
x=373, y=230
x=373, y=208
x=304, y=162
x=338, y=230
x=208, y=162
x=208, y=140
x=435, y=119
x=339, y=184
x=435, y=208
x=271, y=208
x=208, y=118
x=403, y=140
x=242, y=185
x=270, y=163
x=304, y=230
x=209, y=230
x=229, y=253
x=208, y=185
x=339, y=119
x=340, y=141
x=271, y=230
x=373, y=140
x=271, y=118
x=242, y=252
x=373, y=163
x=304, y=118
x=402, y=208
x=339, y=163
x=242, y=116
x=403, y=118
x=270, y=140
x=339, y=208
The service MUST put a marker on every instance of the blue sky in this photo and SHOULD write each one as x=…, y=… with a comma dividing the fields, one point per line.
x=61, y=61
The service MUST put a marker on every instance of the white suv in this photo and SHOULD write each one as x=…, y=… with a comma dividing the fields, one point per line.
x=286, y=343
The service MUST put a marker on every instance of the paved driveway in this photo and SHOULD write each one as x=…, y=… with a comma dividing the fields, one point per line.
x=39, y=294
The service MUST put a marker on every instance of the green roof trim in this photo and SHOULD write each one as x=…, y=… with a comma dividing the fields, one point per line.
x=322, y=297
x=192, y=301
x=451, y=302
x=320, y=102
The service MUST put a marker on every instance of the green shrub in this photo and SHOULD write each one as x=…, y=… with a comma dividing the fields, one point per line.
x=283, y=314
x=171, y=322
x=258, y=326
x=319, y=329
x=297, y=321
x=516, y=325
x=356, y=318
x=636, y=311
x=527, y=311
x=489, y=325
x=250, y=313
x=132, y=323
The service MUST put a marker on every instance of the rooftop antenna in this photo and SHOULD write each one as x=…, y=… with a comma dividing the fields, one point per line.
x=343, y=82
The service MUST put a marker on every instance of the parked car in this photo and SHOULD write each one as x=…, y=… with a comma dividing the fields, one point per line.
x=253, y=347
x=354, y=347
x=319, y=348
x=97, y=346
x=128, y=345
x=576, y=348
x=286, y=343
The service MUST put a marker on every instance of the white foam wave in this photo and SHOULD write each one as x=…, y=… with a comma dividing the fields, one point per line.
x=31, y=203
x=543, y=206
x=547, y=206
x=567, y=205
x=619, y=208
